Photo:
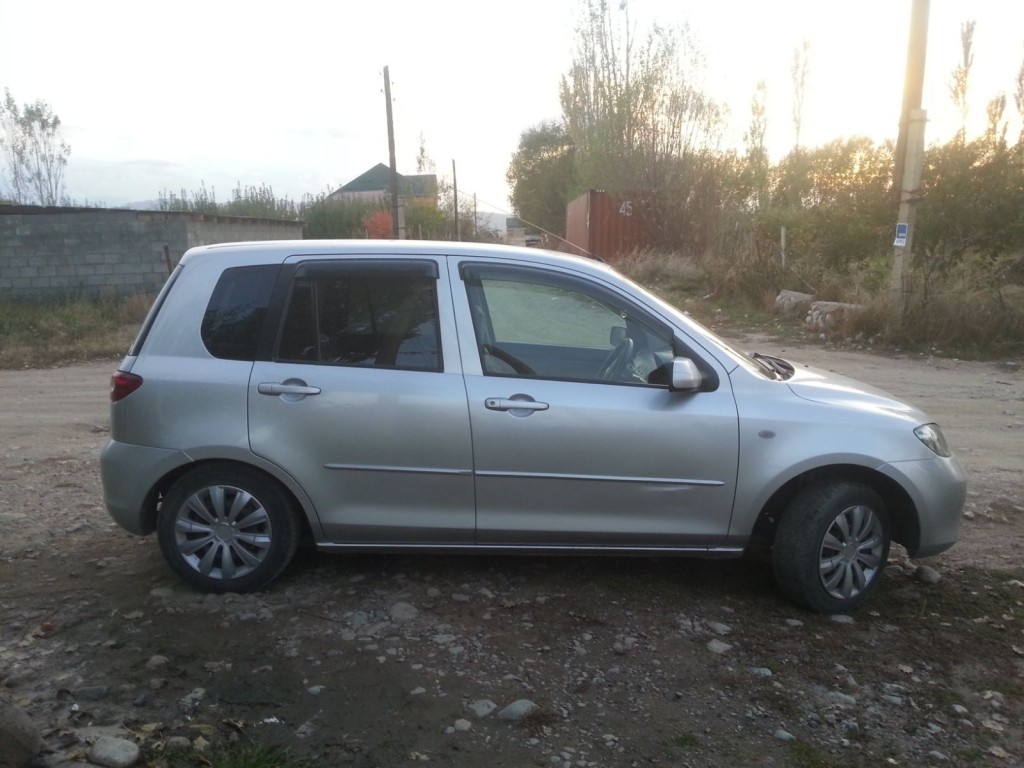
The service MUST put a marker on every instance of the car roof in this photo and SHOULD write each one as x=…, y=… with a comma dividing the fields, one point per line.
x=272, y=251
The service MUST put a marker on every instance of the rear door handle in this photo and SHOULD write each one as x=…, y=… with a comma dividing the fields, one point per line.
x=288, y=387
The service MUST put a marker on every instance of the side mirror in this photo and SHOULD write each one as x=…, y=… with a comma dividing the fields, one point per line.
x=617, y=335
x=686, y=377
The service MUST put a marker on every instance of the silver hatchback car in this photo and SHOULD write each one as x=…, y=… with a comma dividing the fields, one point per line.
x=448, y=397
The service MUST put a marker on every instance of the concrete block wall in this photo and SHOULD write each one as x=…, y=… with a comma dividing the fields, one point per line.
x=48, y=253
x=227, y=230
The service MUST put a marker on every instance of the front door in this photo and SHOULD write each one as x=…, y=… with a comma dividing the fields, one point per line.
x=578, y=440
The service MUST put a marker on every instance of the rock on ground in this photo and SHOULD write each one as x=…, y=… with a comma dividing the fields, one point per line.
x=20, y=741
x=111, y=752
x=517, y=710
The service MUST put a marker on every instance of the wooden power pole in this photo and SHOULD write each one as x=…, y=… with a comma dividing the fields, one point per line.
x=391, y=155
x=909, y=157
x=455, y=203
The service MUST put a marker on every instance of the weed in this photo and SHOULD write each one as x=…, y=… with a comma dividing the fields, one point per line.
x=686, y=740
x=237, y=755
x=803, y=755
x=537, y=720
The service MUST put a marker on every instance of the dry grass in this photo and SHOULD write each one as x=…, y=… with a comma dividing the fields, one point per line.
x=964, y=318
x=42, y=334
x=664, y=272
x=980, y=324
x=971, y=315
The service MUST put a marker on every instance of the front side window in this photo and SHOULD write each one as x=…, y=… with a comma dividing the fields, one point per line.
x=531, y=323
x=366, y=316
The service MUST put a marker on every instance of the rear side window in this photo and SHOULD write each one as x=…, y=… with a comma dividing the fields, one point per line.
x=367, y=316
x=237, y=310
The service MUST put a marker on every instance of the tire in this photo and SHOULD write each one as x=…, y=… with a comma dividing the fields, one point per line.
x=831, y=546
x=224, y=528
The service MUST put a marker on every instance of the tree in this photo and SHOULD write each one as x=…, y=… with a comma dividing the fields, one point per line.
x=427, y=221
x=834, y=201
x=259, y=202
x=200, y=200
x=995, y=133
x=638, y=122
x=1018, y=99
x=378, y=225
x=959, y=83
x=424, y=221
x=424, y=162
x=541, y=176
x=34, y=154
x=326, y=218
x=974, y=198
x=799, y=71
x=755, y=171
x=466, y=229
x=629, y=104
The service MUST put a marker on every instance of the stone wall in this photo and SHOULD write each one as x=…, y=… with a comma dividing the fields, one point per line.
x=90, y=252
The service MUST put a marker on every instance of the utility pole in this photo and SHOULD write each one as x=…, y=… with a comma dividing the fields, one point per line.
x=455, y=200
x=391, y=155
x=909, y=158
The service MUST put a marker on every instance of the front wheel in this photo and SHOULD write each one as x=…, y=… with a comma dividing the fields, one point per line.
x=227, y=529
x=831, y=546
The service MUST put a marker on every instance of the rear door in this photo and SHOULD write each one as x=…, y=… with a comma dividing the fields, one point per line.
x=578, y=440
x=364, y=404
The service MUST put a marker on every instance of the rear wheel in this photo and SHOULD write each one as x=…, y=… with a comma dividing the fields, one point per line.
x=831, y=546
x=223, y=528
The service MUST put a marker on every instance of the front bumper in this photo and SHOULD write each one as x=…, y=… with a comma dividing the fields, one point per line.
x=938, y=489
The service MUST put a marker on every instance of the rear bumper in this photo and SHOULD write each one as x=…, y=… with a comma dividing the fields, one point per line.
x=130, y=473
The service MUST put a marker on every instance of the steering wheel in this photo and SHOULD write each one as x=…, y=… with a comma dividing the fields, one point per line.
x=615, y=364
x=512, y=361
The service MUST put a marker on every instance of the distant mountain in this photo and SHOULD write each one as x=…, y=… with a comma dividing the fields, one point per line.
x=141, y=205
x=485, y=219
x=495, y=221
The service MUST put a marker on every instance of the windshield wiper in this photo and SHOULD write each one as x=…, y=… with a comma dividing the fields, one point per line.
x=778, y=367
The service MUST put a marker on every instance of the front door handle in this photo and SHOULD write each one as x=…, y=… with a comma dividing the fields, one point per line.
x=524, y=404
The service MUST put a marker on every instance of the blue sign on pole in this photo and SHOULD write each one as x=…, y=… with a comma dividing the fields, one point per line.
x=901, y=236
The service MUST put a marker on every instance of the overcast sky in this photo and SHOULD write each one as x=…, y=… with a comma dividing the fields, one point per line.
x=165, y=96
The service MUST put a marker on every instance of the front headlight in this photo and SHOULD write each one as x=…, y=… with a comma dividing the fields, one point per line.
x=931, y=435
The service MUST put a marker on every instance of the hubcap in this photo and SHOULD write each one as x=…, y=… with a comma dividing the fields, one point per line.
x=851, y=552
x=223, y=532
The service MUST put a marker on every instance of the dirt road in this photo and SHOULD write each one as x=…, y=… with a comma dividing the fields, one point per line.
x=389, y=660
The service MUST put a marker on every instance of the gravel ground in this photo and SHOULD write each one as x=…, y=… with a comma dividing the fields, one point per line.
x=391, y=660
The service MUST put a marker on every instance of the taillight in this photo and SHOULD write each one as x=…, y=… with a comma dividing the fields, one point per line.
x=123, y=384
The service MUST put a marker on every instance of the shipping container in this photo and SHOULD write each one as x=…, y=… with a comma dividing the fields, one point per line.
x=606, y=227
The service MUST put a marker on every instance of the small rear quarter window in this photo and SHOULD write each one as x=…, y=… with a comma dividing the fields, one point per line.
x=237, y=310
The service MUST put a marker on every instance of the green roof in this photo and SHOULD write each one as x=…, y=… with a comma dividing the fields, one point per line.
x=378, y=179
